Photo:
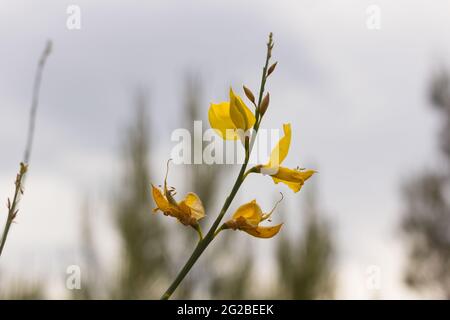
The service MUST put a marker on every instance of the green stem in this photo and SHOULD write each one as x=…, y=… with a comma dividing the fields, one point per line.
x=199, y=232
x=263, y=80
x=5, y=234
x=222, y=227
x=203, y=244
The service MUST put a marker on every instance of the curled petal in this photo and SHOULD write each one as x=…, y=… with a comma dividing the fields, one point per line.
x=250, y=212
x=294, y=179
x=264, y=232
x=248, y=217
x=281, y=150
x=294, y=186
x=193, y=206
x=293, y=175
x=161, y=202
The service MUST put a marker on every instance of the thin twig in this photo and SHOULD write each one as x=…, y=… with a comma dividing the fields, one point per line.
x=20, y=178
x=35, y=102
x=12, y=206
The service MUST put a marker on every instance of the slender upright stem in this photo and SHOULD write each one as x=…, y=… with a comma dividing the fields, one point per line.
x=35, y=102
x=20, y=179
x=12, y=206
x=263, y=80
x=203, y=244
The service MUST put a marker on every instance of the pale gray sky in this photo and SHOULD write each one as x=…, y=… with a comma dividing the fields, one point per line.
x=356, y=99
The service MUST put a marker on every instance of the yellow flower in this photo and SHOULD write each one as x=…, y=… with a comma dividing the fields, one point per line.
x=248, y=217
x=188, y=211
x=228, y=118
x=293, y=178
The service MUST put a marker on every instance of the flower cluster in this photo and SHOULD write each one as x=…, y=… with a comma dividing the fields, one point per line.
x=234, y=120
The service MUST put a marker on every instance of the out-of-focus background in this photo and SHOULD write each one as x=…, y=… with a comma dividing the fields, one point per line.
x=370, y=109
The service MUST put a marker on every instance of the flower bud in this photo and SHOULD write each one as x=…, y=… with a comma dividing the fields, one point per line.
x=23, y=168
x=271, y=68
x=264, y=104
x=249, y=94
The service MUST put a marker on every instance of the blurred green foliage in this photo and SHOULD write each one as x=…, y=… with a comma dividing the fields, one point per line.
x=143, y=238
x=426, y=220
x=143, y=262
x=305, y=264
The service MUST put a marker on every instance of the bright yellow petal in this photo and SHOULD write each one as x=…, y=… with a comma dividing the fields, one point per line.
x=251, y=212
x=294, y=179
x=250, y=117
x=244, y=116
x=237, y=112
x=306, y=174
x=294, y=186
x=293, y=175
x=161, y=202
x=193, y=206
x=220, y=120
x=264, y=232
x=281, y=150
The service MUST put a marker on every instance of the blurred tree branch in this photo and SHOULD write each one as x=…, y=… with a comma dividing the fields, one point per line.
x=143, y=260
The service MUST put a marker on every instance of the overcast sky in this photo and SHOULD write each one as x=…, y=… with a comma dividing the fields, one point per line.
x=356, y=99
